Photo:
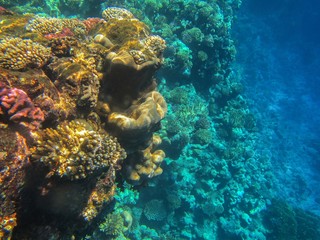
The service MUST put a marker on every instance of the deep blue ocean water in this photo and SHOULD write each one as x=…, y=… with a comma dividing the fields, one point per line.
x=278, y=52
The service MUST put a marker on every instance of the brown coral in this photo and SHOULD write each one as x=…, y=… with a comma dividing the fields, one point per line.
x=77, y=78
x=18, y=54
x=145, y=163
x=13, y=161
x=136, y=125
x=101, y=195
x=75, y=150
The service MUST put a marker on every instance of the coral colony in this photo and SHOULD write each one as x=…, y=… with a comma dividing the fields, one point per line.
x=128, y=126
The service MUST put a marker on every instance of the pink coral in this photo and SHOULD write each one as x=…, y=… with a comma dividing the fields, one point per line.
x=16, y=106
x=91, y=23
x=66, y=32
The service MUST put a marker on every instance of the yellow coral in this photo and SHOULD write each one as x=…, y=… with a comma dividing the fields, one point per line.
x=155, y=44
x=117, y=13
x=75, y=150
x=147, y=162
x=18, y=54
x=98, y=197
x=55, y=25
x=141, y=116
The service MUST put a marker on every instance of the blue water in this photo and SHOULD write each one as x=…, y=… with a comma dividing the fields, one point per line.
x=278, y=51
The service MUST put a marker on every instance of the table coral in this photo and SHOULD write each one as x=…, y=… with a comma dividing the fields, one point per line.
x=18, y=54
x=75, y=150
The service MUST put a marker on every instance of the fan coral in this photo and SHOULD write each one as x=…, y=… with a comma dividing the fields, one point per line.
x=118, y=13
x=18, y=54
x=16, y=106
x=75, y=150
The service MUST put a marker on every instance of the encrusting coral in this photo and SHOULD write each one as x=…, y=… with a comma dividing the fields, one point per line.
x=75, y=150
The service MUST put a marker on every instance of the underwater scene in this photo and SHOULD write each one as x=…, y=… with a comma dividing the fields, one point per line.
x=159, y=120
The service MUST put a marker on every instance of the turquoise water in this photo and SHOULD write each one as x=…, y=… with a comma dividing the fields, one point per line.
x=241, y=135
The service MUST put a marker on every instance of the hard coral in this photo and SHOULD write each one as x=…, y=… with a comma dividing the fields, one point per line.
x=155, y=44
x=75, y=150
x=47, y=26
x=118, y=13
x=145, y=163
x=16, y=106
x=155, y=210
x=18, y=54
x=141, y=119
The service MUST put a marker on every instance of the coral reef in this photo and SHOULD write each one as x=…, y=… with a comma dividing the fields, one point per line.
x=75, y=150
x=85, y=94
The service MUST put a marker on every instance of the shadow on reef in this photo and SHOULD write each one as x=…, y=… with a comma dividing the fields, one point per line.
x=288, y=223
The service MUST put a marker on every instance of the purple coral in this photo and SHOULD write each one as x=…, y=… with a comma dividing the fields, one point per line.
x=16, y=106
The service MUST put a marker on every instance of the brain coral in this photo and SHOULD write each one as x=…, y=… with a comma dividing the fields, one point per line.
x=75, y=150
x=18, y=54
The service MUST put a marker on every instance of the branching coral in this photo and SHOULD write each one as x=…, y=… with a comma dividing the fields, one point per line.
x=18, y=54
x=16, y=106
x=75, y=150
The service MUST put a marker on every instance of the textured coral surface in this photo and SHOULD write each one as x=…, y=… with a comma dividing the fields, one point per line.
x=77, y=99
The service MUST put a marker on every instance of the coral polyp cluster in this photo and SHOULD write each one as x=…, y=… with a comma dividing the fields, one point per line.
x=75, y=150
x=18, y=54
x=46, y=26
